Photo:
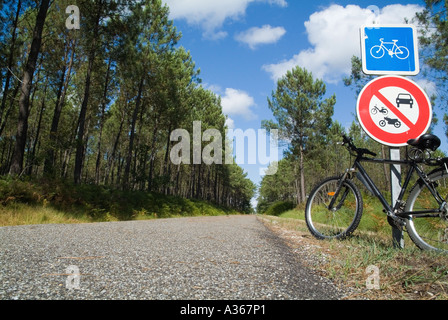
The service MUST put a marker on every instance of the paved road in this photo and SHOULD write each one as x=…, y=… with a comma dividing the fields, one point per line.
x=219, y=258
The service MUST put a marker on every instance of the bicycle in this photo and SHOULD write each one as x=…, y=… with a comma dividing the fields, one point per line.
x=335, y=206
x=379, y=51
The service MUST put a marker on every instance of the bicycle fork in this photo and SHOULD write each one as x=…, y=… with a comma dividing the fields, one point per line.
x=335, y=195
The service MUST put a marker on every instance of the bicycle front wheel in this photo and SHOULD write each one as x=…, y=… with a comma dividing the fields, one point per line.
x=429, y=232
x=333, y=209
x=402, y=53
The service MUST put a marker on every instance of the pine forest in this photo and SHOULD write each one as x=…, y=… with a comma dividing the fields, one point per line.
x=95, y=104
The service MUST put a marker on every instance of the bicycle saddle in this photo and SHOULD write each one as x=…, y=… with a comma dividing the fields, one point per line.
x=426, y=141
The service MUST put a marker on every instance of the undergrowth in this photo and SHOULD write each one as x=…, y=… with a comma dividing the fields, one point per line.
x=55, y=201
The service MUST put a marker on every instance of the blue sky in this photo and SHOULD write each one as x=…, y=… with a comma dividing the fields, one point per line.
x=243, y=46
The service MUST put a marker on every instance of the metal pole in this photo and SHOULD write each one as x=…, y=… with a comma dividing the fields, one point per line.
x=395, y=180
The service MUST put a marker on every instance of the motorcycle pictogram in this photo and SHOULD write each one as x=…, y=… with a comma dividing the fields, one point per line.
x=394, y=122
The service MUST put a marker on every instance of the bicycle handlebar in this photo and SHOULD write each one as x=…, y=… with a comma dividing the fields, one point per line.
x=359, y=151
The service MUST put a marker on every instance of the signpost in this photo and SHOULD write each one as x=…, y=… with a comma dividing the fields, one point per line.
x=392, y=109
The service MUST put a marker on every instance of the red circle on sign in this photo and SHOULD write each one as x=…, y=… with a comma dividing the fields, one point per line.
x=376, y=132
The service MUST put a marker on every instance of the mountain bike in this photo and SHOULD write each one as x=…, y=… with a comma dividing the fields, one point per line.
x=334, y=207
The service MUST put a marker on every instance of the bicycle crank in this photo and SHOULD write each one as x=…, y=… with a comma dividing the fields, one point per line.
x=396, y=222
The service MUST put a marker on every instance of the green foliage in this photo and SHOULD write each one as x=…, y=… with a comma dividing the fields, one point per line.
x=303, y=117
x=279, y=207
x=104, y=101
x=433, y=39
x=99, y=203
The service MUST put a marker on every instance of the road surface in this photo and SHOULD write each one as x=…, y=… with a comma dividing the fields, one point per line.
x=213, y=258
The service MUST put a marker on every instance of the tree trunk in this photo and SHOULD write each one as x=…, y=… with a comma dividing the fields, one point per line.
x=81, y=129
x=79, y=159
x=32, y=157
x=11, y=106
x=153, y=154
x=22, y=126
x=10, y=62
x=103, y=108
x=302, y=176
x=111, y=159
x=60, y=100
x=132, y=136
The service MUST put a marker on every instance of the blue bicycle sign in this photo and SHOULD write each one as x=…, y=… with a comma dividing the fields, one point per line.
x=390, y=50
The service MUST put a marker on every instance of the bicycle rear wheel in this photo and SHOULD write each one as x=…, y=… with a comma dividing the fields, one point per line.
x=333, y=212
x=429, y=233
x=377, y=52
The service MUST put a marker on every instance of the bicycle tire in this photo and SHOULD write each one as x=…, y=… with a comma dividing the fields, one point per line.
x=339, y=223
x=428, y=233
x=402, y=53
x=378, y=53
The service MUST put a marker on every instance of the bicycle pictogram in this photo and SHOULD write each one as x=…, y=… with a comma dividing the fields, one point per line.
x=383, y=110
x=392, y=48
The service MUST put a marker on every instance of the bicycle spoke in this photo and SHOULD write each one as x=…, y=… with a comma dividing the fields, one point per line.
x=331, y=210
x=429, y=232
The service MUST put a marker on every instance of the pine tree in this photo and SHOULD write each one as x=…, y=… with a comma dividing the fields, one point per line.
x=22, y=126
x=302, y=113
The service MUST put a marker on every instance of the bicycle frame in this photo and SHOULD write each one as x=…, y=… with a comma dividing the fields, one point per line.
x=394, y=211
x=394, y=47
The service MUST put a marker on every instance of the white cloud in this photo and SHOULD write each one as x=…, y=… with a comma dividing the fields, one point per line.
x=254, y=37
x=234, y=102
x=237, y=103
x=211, y=15
x=212, y=87
x=334, y=37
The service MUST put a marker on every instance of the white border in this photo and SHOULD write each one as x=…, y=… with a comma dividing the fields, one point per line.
x=375, y=72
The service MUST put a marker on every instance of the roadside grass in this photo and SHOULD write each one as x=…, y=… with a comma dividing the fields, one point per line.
x=403, y=274
x=58, y=202
x=15, y=214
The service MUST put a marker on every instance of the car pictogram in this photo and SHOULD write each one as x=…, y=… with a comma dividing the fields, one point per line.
x=404, y=98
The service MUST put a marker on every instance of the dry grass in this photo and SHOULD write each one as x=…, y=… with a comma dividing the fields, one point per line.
x=21, y=214
x=404, y=274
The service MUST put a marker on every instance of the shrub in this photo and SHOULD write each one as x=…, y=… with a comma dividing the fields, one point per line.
x=98, y=203
x=277, y=208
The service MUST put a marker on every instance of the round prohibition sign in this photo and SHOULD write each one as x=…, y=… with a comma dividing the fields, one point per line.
x=410, y=121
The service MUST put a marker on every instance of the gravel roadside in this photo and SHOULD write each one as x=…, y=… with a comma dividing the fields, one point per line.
x=211, y=258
